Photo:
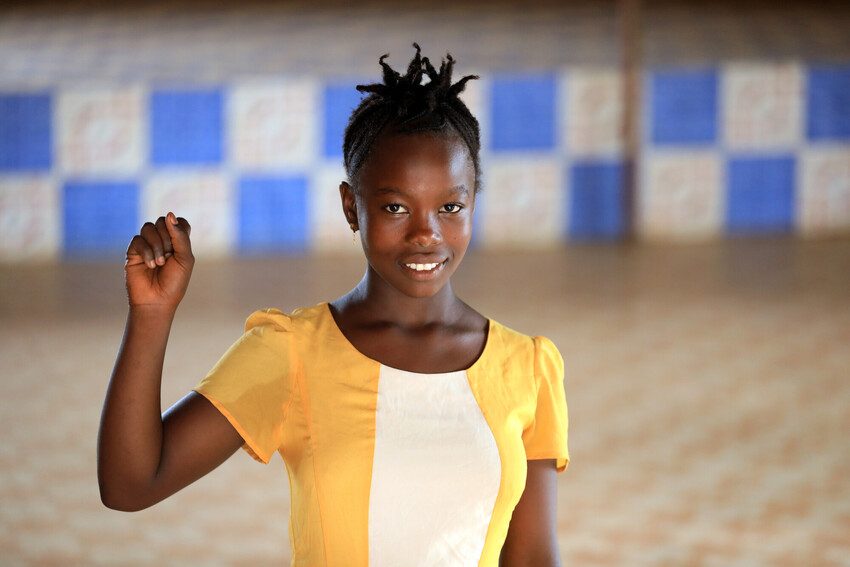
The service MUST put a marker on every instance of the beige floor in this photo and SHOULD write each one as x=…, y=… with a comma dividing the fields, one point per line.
x=709, y=392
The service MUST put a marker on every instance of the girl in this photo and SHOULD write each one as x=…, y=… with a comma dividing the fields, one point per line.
x=415, y=431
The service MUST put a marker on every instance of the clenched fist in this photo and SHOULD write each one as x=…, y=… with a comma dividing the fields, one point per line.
x=159, y=263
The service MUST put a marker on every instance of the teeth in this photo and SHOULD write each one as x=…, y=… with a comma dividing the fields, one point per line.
x=422, y=267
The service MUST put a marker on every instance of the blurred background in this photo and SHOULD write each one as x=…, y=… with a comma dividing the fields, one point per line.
x=666, y=195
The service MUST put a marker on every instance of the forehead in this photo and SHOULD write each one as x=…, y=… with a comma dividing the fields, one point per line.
x=417, y=161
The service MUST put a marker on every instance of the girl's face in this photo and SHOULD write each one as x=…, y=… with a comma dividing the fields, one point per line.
x=413, y=207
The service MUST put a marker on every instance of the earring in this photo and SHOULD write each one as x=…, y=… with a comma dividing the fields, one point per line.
x=353, y=233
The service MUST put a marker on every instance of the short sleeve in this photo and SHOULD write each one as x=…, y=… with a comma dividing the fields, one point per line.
x=251, y=383
x=546, y=436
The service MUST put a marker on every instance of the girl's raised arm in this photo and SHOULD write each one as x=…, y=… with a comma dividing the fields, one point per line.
x=144, y=457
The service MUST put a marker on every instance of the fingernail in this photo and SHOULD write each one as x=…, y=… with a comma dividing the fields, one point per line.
x=160, y=260
x=151, y=264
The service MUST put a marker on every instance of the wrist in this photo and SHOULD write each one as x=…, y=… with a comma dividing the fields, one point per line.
x=152, y=311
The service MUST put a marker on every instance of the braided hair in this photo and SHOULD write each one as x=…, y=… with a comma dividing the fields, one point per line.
x=402, y=105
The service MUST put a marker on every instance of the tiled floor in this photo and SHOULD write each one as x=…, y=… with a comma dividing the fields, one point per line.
x=709, y=392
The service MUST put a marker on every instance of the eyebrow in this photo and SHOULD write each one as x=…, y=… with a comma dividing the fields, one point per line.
x=457, y=189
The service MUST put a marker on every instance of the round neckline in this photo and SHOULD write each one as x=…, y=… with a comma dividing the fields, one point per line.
x=338, y=330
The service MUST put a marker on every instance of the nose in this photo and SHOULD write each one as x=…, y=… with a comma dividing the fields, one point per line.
x=424, y=230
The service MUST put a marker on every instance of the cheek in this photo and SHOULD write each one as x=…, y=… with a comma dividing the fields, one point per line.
x=459, y=233
x=381, y=233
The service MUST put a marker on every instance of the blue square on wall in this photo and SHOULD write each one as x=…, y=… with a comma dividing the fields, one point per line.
x=273, y=214
x=684, y=107
x=99, y=218
x=186, y=127
x=596, y=200
x=523, y=113
x=25, y=132
x=760, y=196
x=828, y=103
x=338, y=102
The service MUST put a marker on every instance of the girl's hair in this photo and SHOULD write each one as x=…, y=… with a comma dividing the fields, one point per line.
x=403, y=105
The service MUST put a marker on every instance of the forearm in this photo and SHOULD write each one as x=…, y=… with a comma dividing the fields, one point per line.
x=130, y=437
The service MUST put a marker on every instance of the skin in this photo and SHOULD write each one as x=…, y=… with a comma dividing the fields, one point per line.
x=413, y=202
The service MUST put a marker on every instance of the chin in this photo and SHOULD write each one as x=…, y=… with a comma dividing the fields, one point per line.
x=396, y=278
x=423, y=293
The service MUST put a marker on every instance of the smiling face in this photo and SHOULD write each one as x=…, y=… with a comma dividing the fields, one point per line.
x=413, y=206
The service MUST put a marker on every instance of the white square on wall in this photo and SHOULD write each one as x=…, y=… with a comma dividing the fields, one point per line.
x=273, y=125
x=29, y=218
x=593, y=112
x=205, y=199
x=101, y=130
x=522, y=204
x=824, y=199
x=681, y=196
x=762, y=105
x=475, y=99
x=329, y=231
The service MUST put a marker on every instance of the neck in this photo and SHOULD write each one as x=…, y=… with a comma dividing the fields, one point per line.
x=380, y=301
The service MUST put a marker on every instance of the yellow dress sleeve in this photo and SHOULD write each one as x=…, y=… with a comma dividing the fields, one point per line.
x=251, y=385
x=546, y=436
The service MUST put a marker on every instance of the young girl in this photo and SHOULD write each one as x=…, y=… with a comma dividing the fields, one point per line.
x=415, y=430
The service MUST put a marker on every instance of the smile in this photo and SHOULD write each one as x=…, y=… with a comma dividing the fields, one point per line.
x=423, y=267
x=423, y=271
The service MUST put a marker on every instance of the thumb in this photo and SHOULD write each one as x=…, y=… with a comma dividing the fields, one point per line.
x=178, y=230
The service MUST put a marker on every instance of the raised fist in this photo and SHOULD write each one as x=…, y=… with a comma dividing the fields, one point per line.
x=159, y=263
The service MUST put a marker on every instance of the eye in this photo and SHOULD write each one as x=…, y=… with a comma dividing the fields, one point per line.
x=452, y=207
x=395, y=208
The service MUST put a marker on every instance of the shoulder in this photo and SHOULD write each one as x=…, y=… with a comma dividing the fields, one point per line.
x=281, y=334
x=536, y=353
x=510, y=341
x=275, y=319
x=274, y=327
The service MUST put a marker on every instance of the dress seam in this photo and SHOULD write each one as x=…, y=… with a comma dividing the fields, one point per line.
x=308, y=416
x=487, y=420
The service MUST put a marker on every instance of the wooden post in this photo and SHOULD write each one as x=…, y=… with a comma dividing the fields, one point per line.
x=631, y=44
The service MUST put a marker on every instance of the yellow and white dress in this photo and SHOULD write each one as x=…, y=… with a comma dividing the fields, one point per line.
x=388, y=467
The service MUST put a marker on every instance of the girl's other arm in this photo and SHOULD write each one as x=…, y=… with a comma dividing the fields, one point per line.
x=144, y=457
x=532, y=538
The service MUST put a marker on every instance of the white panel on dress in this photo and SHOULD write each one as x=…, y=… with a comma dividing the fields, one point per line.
x=824, y=190
x=436, y=472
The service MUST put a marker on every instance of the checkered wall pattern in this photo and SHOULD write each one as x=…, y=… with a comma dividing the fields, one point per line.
x=740, y=149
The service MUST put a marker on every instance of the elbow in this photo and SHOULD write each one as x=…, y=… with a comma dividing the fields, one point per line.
x=121, y=499
x=118, y=505
x=118, y=502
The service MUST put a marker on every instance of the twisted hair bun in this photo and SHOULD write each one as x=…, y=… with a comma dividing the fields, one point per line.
x=403, y=104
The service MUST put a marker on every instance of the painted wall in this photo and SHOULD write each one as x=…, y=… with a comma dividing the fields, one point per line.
x=734, y=146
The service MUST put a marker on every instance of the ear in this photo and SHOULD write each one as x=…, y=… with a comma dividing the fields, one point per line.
x=349, y=203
